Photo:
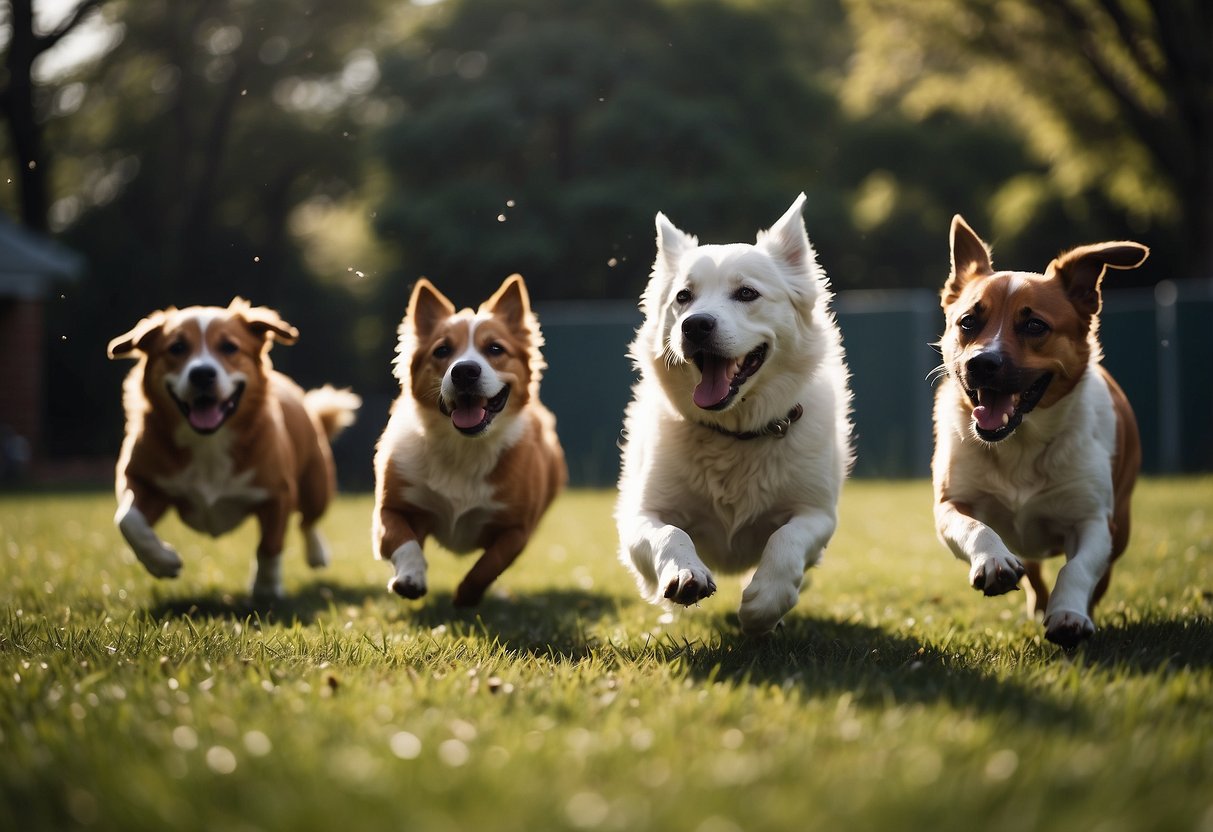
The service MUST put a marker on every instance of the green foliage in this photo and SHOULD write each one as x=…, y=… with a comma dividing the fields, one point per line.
x=543, y=137
x=1113, y=97
x=894, y=698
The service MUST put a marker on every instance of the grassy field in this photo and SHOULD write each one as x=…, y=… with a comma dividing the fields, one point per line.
x=895, y=697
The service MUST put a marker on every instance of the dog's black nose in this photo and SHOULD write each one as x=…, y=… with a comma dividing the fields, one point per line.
x=698, y=328
x=984, y=366
x=465, y=373
x=203, y=376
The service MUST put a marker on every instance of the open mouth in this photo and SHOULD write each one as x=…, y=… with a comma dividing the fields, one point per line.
x=206, y=413
x=997, y=413
x=473, y=414
x=723, y=376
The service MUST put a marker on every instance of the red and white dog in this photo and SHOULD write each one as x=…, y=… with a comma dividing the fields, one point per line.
x=214, y=432
x=1036, y=447
x=469, y=455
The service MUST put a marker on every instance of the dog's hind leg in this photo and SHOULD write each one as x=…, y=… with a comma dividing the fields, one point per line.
x=497, y=557
x=316, y=547
x=1037, y=591
x=267, y=580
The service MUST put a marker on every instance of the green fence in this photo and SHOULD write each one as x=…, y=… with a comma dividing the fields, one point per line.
x=1158, y=344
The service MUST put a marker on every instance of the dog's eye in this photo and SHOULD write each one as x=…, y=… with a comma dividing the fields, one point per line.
x=968, y=323
x=745, y=294
x=494, y=348
x=442, y=351
x=228, y=347
x=178, y=348
x=1035, y=327
x=684, y=297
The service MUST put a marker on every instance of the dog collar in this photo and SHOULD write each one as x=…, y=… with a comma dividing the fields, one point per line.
x=777, y=428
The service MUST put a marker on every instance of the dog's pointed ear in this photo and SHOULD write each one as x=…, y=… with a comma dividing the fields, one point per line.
x=427, y=308
x=970, y=259
x=140, y=336
x=510, y=302
x=672, y=243
x=263, y=321
x=787, y=240
x=1081, y=270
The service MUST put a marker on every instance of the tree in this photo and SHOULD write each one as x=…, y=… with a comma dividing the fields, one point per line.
x=18, y=103
x=196, y=143
x=543, y=135
x=1116, y=96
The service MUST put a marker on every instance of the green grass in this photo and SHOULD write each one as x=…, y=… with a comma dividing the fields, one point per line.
x=894, y=698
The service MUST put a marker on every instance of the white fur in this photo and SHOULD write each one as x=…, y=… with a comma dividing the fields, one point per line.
x=1045, y=488
x=160, y=559
x=692, y=500
x=489, y=384
x=218, y=498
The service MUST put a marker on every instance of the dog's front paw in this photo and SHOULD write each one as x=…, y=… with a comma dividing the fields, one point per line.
x=1068, y=628
x=763, y=605
x=408, y=586
x=997, y=574
x=162, y=560
x=688, y=586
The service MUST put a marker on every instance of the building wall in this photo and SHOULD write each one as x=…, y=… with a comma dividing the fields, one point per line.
x=21, y=344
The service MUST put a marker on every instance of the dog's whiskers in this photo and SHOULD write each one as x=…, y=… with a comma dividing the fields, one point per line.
x=937, y=374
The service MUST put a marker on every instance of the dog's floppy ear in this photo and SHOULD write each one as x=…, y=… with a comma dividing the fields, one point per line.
x=970, y=259
x=786, y=240
x=1082, y=269
x=510, y=302
x=140, y=337
x=263, y=321
x=427, y=308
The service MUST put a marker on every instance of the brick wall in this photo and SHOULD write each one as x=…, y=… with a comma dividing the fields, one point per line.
x=21, y=345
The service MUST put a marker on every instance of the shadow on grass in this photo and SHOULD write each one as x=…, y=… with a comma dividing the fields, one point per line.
x=1153, y=645
x=877, y=668
x=546, y=622
x=549, y=622
x=303, y=607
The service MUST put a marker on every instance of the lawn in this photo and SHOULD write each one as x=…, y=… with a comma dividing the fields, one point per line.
x=894, y=698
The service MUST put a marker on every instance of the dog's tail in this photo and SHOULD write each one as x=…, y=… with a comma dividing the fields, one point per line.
x=332, y=407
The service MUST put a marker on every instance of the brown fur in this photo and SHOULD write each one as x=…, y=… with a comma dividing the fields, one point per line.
x=1035, y=324
x=273, y=435
x=522, y=477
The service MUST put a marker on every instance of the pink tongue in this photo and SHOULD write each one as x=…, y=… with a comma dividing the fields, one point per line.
x=989, y=414
x=206, y=418
x=713, y=388
x=467, y=416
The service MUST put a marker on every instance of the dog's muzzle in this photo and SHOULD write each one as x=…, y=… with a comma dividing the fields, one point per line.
x=1001, y=393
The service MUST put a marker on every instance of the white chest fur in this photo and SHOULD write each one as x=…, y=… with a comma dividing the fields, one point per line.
x=212, y=496
x=450, y=476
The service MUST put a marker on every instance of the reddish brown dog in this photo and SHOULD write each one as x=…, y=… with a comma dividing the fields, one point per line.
x=1036, y=447
x=469, y=455
x=214, y=432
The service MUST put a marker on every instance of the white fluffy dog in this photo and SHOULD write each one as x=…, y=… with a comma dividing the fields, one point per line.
x=738, y=437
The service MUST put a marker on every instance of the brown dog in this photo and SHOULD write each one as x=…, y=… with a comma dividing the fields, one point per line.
x=1036, y=447
x=214, y=432
x=469, y=455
